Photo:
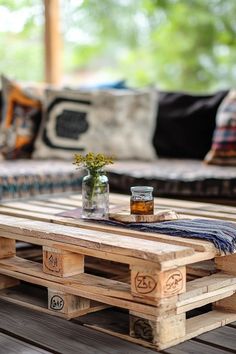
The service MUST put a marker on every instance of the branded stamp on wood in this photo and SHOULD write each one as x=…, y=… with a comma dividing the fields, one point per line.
x=62, y=263
x=65, y=303
x=154, y=284
x=52, y=262
x=56, y=303
x=174, y=283
x=144, y=284
x=142, y=329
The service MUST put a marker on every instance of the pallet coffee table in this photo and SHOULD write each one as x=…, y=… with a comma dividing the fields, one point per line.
x=170, y=288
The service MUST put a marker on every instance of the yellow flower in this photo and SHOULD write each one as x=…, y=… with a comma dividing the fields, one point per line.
x=92, y=162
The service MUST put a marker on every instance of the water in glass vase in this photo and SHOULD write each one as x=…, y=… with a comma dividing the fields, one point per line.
x=95, y=196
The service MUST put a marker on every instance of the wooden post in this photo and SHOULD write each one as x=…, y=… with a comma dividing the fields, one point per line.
x=53, y=47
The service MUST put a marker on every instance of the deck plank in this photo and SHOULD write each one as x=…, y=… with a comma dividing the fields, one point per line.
x=194, y=347
x=60, y=335
x=10, y=345
x=223, y=337
x=66, y=337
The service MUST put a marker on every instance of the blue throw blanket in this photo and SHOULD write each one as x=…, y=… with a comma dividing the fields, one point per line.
x=221, y=233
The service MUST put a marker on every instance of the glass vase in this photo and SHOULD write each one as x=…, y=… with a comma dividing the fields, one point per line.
x=95, y=195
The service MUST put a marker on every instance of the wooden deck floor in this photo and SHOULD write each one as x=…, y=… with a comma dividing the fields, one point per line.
x=24, y=331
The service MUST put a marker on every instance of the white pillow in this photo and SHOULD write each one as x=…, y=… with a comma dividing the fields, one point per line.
x=114, y=122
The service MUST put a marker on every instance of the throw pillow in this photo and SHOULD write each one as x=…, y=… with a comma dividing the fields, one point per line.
x=185, y=124
x=116, y=122
x=21, y=115
x=223, y=149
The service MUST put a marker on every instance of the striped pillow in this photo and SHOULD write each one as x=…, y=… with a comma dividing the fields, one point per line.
x=223, y=149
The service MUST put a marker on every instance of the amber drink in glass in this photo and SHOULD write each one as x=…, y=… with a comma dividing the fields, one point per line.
x=141, y=201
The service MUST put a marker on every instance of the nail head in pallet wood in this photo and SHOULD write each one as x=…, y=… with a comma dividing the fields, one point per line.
x=7, y=282
x=7, y=247
x=153, y=284
x=65, y=303
x=62, y=263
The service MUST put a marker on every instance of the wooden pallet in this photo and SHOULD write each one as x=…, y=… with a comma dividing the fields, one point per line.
x=160, y=281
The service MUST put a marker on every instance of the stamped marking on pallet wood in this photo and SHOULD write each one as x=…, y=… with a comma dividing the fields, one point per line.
x=144, y=284
x=52, y=262
x=56, y=303
x=174, y=283
x=142, y=329
x=151, y=284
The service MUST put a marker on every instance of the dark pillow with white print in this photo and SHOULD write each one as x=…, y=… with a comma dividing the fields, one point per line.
x=115, y=122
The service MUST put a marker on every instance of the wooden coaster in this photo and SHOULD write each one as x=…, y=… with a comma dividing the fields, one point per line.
x=162, y=215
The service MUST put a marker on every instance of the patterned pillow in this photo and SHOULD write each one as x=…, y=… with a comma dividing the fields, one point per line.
x=117, y=122
x=21, y=116
x=223, y=149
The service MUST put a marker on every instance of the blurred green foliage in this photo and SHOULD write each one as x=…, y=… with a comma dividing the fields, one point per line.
x=21, y=39
x=174, y=44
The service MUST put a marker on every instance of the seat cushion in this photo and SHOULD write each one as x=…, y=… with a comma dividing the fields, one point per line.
x=185, y=124
x=25, y=178
x=175, y=178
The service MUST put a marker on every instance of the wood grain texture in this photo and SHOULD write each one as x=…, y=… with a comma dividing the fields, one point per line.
x=162, y=215
x=25, y=211
x=153, y=251
x=224, y=337
x=10, y=345
x=194, y=347
x=7, y=247
x=53, y=46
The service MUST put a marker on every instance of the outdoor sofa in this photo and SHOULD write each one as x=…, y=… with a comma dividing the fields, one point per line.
x=181, y=137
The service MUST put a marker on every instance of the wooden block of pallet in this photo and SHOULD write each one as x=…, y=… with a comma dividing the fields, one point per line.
x=7, y=282
x=68, y=304
x=7, y=247
x=62, y=263
x=153, y=284
x=157, y=331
